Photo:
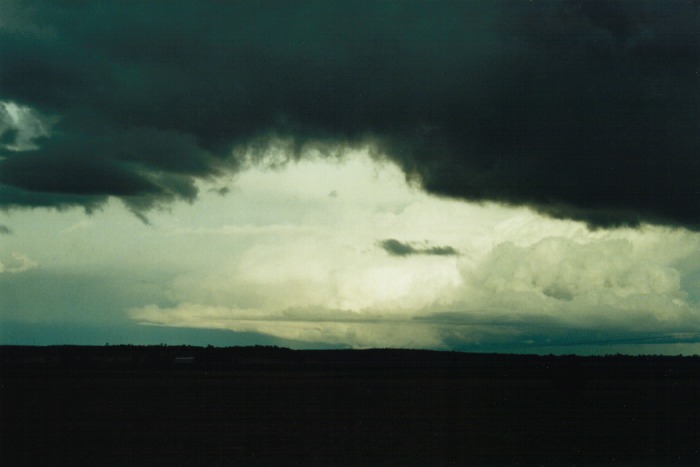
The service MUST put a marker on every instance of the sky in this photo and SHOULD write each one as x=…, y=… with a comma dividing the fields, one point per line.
x=502, y=176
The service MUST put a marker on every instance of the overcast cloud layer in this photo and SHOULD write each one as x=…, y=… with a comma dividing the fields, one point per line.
x=581, y=109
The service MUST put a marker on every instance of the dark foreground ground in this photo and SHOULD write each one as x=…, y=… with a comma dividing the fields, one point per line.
x=125, y=405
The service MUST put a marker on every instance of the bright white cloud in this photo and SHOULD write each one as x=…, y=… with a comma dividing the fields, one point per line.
x=600, y=282
x=295, y=253
x=303, y=250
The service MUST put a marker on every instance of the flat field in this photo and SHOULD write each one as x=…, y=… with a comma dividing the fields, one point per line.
x=125, y=405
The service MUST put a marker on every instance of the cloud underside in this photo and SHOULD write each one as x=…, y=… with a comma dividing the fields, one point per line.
x=466, y=330
x=587, y=110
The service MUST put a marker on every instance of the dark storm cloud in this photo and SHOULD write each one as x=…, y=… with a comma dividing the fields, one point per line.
x=581, y=109
x=397, y=248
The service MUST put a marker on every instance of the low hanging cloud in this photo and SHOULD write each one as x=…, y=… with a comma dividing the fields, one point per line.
x=17, y=263
x=397, y=248
x=580, y=109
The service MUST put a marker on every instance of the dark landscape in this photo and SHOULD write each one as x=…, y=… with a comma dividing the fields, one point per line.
x=180, y=405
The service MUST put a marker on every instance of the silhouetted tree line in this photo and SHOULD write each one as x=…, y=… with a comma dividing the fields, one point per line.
x=567, y=372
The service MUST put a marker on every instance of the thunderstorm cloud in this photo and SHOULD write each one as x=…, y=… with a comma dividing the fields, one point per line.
x=587, y=110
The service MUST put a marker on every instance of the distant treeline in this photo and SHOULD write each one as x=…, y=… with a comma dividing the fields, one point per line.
x=183, y=357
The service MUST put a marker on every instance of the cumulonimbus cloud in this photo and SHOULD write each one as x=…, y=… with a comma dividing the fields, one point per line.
x=581, y=109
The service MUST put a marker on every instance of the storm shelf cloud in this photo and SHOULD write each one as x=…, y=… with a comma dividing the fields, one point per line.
x=587, y=110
